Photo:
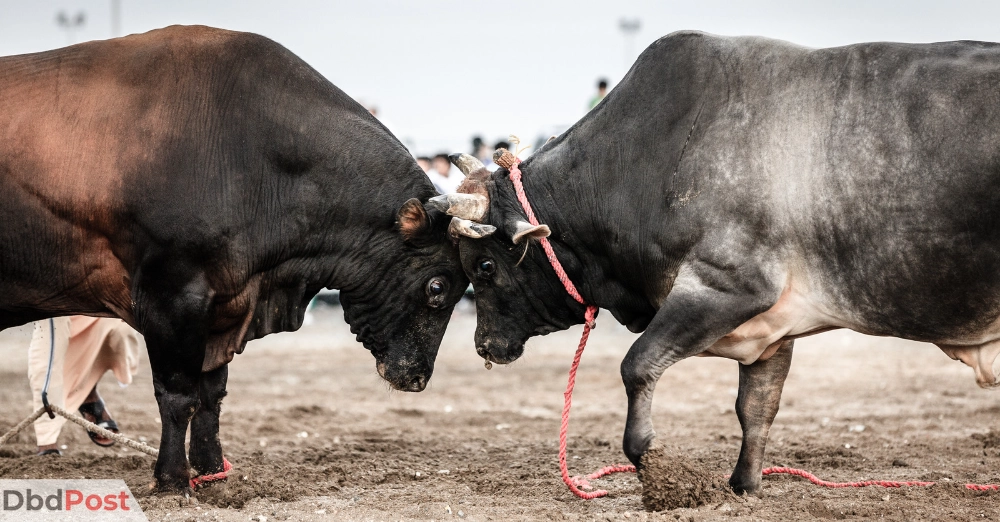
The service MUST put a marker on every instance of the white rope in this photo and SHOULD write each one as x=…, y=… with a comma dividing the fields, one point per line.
x=23, y=424
x=87, y=425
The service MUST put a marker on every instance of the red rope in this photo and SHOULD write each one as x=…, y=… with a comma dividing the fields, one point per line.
x=204, y=479
x=865, y=483
x=577, y=484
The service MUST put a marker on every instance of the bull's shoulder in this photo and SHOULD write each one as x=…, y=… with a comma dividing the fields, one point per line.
x=685, y=55
x=686, y=41
x=205, y=45
x=698, y=42
x=174, y=52
x=190, y=33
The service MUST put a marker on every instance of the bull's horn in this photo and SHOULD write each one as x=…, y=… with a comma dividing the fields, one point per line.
x=465, y=206
x=523, y=229
x=466, y=163
x=464, y=227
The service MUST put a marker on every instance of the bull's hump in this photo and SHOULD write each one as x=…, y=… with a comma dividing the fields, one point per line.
x=186, y=33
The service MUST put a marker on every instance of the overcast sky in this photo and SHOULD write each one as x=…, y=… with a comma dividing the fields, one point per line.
x=440, y=71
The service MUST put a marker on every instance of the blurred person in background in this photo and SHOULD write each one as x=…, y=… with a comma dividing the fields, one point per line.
x=84, y=349
x=425, y=163
x=445, y=180
x=480, y=150
x=602, y=91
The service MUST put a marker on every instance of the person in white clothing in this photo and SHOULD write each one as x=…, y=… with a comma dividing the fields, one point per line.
x=446, y=180
x=84, y=349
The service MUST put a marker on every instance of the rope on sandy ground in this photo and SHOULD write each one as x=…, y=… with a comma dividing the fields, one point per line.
x=138, y=446
x=23, y=424
x=205, y=479
x=575, y=484
x=865, y=483
x=94, y=428
x=87, y=425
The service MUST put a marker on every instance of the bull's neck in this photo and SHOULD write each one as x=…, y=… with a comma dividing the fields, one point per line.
x=359, y=241
x=588, y=233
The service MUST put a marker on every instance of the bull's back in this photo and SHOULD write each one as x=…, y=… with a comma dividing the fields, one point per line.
x=897, y=209
x=107, y=148
x=869, y=171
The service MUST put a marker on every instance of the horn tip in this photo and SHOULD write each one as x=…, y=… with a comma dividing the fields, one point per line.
x=439, y=202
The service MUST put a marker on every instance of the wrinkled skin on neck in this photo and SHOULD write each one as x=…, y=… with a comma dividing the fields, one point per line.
x=394, y=314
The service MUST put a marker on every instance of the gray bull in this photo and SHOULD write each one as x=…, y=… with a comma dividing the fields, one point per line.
x=733, y=194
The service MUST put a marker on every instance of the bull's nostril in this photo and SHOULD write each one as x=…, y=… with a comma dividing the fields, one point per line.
x=418, y=383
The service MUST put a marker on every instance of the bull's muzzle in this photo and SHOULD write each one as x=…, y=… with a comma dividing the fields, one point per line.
x=406, y=378
x=499, y=353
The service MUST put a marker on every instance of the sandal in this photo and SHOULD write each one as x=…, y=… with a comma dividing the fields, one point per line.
x=97, y=410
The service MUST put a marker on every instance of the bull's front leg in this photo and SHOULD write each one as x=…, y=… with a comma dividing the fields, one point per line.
x=756, y=406
x=172, y=304
x=691, y=319
x=206, y=448
x=177, y=396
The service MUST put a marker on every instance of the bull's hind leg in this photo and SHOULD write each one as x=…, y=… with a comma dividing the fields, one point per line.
x=206, y=448
x=700, y=309
x=756, y=406
x=172, y=310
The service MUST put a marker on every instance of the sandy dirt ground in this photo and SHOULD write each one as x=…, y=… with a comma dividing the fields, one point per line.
x=315, y=434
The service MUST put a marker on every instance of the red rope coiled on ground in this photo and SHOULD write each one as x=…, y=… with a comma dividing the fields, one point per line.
x=204, y=479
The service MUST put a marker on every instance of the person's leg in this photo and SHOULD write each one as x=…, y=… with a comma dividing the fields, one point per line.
x=46, y=429
x=94, y=410
x=88, y=358
x=90, y=355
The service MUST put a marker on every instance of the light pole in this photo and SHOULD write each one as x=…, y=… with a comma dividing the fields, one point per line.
x=629, y=26
x=70, y=24
x=116, y=18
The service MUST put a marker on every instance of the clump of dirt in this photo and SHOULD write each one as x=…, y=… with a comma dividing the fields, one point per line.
x=238, y=490
x=990, y=439
x=260, y=476
x=673, y=481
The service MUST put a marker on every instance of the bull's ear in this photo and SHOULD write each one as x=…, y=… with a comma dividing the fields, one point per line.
x=413, y=220
x=524, y=230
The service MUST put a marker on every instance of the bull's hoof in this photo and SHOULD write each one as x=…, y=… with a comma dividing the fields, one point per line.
x=209, y=467
x=180, y=486
x=745, y=487
x=636, y=448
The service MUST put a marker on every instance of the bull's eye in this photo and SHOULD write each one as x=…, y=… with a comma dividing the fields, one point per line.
x=486, y=266
x=436, y=289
